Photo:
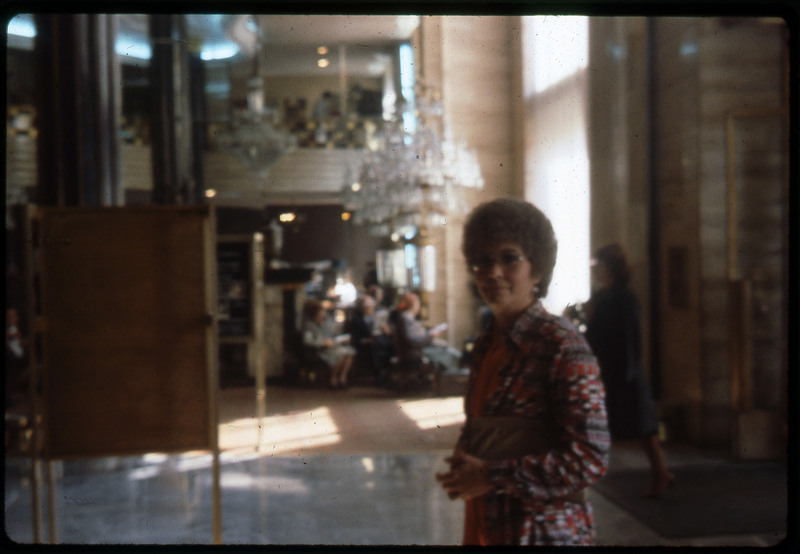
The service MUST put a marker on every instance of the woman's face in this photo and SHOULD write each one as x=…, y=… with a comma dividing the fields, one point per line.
x=504, y=278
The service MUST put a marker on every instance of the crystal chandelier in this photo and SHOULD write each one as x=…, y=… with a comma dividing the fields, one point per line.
x=257, y=140
x=256, y=134
x=412, y=177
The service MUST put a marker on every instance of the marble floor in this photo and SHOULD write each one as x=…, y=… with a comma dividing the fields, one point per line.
x=349, y=467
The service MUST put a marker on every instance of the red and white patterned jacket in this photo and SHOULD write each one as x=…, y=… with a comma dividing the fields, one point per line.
x=550, y=372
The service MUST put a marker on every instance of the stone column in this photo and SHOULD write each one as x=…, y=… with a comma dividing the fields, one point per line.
x=78, y=110
x=474, y=62
x=171, y=123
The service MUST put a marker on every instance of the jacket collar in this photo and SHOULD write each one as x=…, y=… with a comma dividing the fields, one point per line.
x=520, y=330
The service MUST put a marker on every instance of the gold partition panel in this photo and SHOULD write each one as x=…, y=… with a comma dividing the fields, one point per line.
x=129, y=345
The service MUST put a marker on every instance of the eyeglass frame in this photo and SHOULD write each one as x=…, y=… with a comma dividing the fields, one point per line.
x=506, y=261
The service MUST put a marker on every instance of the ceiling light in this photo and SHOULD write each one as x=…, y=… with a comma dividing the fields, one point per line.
x=211, y=193
x=287, y=217
x=221, y=51
x=22, y=25
x=323, y=62
x=345, y=216
x=322, y=50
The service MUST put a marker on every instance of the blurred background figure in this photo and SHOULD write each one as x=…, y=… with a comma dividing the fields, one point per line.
x=383, y=341
x=372, y=344
x=330, y=347
x=613, y=331
x=16, y=360
x=324, y=106
x=410, y=338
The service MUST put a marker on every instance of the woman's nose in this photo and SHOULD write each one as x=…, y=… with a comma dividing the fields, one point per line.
x=495, y=269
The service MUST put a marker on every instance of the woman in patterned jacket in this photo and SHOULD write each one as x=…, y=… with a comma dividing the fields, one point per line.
x=536, y=433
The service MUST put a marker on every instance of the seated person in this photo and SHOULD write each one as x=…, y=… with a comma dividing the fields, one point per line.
x=371, y=337
x=410, y=336
x=328, y=346
x=382, y=328
x=361, y=332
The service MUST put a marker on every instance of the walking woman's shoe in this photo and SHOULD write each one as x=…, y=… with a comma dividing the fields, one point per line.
x=660, y=485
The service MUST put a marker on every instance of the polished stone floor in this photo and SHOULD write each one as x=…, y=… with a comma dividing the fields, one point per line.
x=321, y=499
x=314, y=481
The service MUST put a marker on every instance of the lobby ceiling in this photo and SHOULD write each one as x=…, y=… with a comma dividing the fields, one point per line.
x=285, y=44
x=358, y=42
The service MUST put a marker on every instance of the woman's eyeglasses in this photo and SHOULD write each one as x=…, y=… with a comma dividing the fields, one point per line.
x=506, y=261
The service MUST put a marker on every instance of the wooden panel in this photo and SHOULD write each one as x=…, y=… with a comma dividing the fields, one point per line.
x=126, y=297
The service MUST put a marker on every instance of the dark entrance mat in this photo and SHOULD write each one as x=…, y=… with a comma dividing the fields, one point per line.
x=706, y=500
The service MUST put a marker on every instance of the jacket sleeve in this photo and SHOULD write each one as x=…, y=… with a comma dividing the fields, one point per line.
x=577, y=405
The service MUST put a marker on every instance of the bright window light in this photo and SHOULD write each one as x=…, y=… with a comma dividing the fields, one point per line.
x=557, y=47
x=428, y=268
x=407, y=68
x=407, y=84
x=567, y=206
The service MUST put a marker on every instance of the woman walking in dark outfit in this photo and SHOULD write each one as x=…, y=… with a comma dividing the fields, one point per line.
x=615, y=337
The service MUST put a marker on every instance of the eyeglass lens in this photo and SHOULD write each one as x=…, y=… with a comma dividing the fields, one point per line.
x=506, y=260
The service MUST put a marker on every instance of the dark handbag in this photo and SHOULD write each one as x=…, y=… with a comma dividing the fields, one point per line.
x=494, y=438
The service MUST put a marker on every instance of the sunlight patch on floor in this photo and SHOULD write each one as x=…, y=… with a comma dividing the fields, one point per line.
x=281, y=433
x=434, y=412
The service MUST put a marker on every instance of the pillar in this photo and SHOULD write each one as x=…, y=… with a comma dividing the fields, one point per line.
x=78, y=110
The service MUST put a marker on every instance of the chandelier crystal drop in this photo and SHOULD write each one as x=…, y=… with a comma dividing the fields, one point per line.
x=412, y=177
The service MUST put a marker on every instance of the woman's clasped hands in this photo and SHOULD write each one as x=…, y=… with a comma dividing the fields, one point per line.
x=468, y=476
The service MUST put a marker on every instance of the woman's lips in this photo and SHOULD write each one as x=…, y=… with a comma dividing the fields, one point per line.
x=492, y=290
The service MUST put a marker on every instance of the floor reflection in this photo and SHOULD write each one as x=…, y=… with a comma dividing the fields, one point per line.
x=331, y=499
x=333, y=468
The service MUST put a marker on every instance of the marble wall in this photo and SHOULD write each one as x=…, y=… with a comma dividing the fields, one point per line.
x=474, y=62
x=664, y=93
x=661, y=93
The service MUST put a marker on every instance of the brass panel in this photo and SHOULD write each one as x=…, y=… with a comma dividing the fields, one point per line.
x=126, y=295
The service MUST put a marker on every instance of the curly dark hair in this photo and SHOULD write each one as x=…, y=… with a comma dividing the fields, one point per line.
x=615, y=260
x=511, y=220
